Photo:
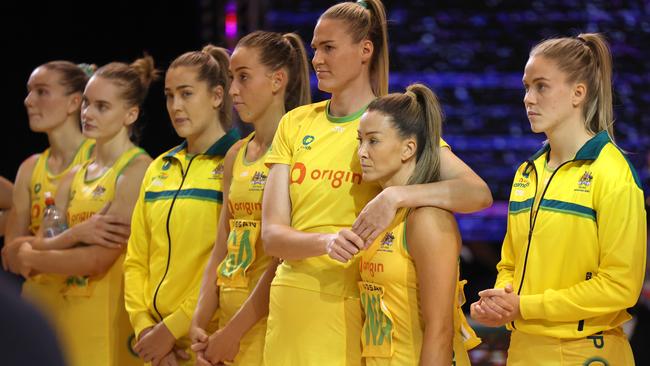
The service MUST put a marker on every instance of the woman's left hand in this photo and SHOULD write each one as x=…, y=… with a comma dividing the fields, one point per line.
x=376, y=216
x=222, y=347
x=171, y=359
x=10, y=254
x=155, y=344
x=497, y=306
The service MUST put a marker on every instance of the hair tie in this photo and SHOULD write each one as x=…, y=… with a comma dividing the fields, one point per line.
x=410, y=94
x=88, y=69
x=582, y=40
x=363, y=4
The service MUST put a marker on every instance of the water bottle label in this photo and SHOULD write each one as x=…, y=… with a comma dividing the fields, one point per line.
x=54, y=231
x=49, y=232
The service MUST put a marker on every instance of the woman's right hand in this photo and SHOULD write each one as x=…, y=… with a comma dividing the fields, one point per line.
x=107, y=230
x=344, y=245
x=198, y=338
x=223, y=346
x=155, y=343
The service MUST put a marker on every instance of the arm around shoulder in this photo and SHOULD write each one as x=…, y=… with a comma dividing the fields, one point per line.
x=459, y=189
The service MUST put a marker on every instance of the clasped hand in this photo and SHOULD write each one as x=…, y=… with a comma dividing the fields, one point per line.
x=496, y=307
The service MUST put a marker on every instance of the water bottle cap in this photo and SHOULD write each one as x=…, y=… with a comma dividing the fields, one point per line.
x=49, y=200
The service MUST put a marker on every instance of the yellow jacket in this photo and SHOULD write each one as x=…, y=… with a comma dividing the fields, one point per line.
x=173, y=229
x=580, y=263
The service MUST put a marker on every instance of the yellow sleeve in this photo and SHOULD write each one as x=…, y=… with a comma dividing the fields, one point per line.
x=622, y=239
x=282, y=146
x=506, y=266
x=136, y=268
x=180, y=320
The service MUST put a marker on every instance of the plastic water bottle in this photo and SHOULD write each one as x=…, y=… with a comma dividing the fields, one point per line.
x=54, y=222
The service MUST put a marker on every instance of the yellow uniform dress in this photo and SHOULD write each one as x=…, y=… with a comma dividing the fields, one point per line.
x=173, y=229
x=44, y=181
x=576, y=258
x=314, y=311
x=246, y=261
x=393, y=327
x=44, y=289
x=96, y=329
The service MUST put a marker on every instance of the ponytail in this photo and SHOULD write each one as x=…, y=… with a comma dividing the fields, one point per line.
x=145, y=68
x=427, y=166
x=378, y=34
x=222, y=56
x=298, y=89
x=599, y=113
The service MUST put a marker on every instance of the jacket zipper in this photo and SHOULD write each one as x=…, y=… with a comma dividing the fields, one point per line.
x=169, y=238
x=533, y=219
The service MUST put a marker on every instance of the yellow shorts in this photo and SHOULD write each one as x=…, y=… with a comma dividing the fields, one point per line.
x=308, y=328
x=251, y=347
x=609, y=348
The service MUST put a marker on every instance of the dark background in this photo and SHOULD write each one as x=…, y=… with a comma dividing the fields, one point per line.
x=91, y=32
x=472, y=53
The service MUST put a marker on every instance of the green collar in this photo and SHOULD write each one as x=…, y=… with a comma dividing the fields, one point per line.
x=589, y=151
x=348, y=118
x=219, y=148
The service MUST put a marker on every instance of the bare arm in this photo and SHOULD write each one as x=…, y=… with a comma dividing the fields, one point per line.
x=459, y=190
x=224, y=344
x=20, y=214
x=209, y=293
x=80, y=261
x=280, y=239
x=92, y=260
x=256, y=306
x=6, y=193
x=106, y=228
x=434, y=243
